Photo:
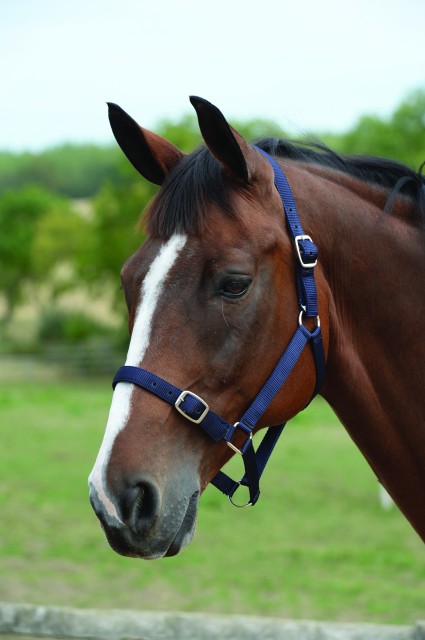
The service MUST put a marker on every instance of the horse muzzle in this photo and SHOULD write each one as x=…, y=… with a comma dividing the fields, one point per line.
x=148, y=523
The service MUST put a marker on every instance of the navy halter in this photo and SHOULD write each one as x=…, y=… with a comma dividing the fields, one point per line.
x=196, y=410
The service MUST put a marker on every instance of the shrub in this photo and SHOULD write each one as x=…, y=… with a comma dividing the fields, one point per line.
x=69, y=327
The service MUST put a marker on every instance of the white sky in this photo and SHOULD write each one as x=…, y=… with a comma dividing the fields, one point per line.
x=309, y=65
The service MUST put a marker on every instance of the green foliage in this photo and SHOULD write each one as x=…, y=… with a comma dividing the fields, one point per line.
x=257, y=128
x=76, y=171
x=409, y=123
x=186, y=136
x=40, y=234
x=62, y=235
x=184, y=133
x=114, y=234
x=13, y=167
x=400, y=137
x=58, y=325
x=20, y=212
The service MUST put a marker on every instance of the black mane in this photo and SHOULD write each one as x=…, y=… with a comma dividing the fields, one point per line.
x=380, y=171
x=181, y=206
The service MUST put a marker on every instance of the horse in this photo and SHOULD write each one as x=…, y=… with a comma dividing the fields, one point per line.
x=213, y=299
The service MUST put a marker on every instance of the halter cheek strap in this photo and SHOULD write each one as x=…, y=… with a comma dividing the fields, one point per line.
x=196, y=410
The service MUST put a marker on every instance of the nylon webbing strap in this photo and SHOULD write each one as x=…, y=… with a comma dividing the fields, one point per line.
x=305, y=249
x=191, y=406
x=257, y=409
x=278, y=376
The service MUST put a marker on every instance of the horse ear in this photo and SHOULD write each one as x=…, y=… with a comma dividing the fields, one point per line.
x=152, y=156
x=224, y=142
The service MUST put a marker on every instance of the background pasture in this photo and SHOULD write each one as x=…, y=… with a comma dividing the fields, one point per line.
x=317, y=545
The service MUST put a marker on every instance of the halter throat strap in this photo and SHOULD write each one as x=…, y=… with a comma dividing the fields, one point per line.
x=196, y=410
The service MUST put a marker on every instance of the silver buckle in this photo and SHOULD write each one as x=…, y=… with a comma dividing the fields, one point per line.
x=308, y=265
x=232, y=446
x=181, y=398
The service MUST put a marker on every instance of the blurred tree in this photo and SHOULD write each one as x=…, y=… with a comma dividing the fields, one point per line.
x=186, y=136
x=62, y=236
x=79, y=171
x=400, y=137
x=257, y=128
x=20, y=211
x=12, y=168
x=372, y=136
x=114, y=237
x=76, y=171
x=184, y=133
x=408, y=123
x=40, y=234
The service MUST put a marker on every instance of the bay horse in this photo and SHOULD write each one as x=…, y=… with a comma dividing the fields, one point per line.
x=214, y=299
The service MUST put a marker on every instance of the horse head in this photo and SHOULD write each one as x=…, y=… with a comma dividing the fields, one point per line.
x=212, y=302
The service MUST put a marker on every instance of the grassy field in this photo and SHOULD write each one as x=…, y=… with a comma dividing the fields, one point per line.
x=317, y=545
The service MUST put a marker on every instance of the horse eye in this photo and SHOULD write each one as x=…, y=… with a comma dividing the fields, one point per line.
x=234, y=287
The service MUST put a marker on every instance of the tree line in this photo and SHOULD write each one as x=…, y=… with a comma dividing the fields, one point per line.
x=68, y=214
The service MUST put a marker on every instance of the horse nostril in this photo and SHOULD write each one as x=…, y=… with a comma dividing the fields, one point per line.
x=140, y=506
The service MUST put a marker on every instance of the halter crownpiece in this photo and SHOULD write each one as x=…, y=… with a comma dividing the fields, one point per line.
x=196, y=410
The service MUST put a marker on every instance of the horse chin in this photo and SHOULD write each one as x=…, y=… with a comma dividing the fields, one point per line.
x=157, y=543
x=187, y=529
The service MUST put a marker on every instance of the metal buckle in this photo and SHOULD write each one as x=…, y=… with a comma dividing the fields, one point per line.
x=306, y=265
x=232, y=446
x=181, y=398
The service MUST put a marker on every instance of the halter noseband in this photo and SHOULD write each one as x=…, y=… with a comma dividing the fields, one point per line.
x=196, y=410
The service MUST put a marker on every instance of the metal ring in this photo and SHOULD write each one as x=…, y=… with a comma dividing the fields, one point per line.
x=238, y=506
x=300, y=319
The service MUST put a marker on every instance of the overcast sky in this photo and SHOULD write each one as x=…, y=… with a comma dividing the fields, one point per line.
x=310, y=66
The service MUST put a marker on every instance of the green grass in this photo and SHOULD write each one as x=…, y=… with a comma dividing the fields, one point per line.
x=317, y=545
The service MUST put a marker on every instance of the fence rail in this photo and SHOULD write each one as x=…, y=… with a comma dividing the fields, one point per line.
x=61, y=361
x=62, y=622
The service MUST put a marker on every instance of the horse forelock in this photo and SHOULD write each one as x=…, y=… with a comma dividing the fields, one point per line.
x=182, y=204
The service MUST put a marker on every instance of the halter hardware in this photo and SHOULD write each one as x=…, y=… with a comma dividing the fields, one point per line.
x=300, y=319
x=301, y=251
x=245, y=429
x=235, y=504
x=182, y=397
x=193, y=408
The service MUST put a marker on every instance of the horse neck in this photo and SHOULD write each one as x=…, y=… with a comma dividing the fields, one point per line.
x=374, y=267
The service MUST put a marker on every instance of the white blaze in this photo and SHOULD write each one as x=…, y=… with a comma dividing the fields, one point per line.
x=151, y=290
